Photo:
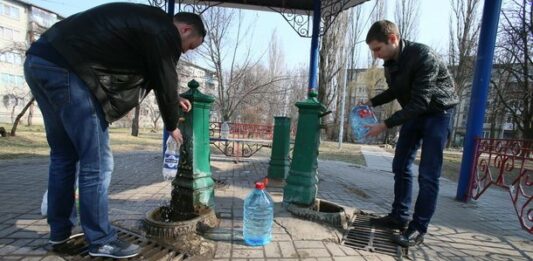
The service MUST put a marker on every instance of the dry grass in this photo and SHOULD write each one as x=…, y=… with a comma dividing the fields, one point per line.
x=349, y=152
x=451, y=165
x=31, y=142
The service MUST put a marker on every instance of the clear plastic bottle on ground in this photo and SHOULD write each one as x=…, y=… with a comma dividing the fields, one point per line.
x=258, y=216
x=171, y=159
x=361, y=116
x=224, y=130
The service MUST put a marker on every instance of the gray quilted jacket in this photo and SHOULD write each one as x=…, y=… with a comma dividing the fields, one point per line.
x=420, y=81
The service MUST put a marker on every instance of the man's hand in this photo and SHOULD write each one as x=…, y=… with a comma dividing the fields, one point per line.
x=367, y=102
x=176, y=135
x=184, y=104
x=375, y=129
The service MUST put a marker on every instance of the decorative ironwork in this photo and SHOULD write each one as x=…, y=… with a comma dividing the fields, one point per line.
x=507, y=164
x=238, y=148
x=301, y=21
x=195, y=6
x=185, y=6
x=158, y=3
x=244, y=139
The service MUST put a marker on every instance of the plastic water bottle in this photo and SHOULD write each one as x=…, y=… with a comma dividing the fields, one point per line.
x=171, y=159
x=224, y=130
x=258, y=216
x=361, y=116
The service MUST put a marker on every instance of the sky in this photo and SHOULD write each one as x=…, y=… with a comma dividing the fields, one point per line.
x=433, y=27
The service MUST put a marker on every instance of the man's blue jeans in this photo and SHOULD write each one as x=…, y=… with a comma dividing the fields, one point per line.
x=76, y=131
x=431, y=132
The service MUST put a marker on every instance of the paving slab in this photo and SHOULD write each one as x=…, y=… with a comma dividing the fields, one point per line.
x=484, y=230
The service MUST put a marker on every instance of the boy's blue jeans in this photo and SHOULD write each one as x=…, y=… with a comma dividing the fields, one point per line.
x=431, y=132
x=76, y=131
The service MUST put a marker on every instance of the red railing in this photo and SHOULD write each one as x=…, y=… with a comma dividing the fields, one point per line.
x=244, y=139
x=245, y=131
x=507, y=164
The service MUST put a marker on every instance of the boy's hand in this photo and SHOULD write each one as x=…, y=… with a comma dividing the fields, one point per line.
x=184, y=104
x=176, y=135
x=375, y=129
x=367, y=102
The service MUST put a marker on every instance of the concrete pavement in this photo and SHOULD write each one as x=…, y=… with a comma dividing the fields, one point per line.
x=483, y=230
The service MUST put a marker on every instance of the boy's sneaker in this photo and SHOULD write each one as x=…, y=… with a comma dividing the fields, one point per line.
x=115, y=249
x=409, y=238
x=76, y=232
x=389, y=221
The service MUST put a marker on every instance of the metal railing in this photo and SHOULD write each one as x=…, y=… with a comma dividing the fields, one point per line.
x=244, y=139
x=507, y=164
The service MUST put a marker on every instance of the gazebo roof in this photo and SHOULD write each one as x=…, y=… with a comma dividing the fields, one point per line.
x=282, y=6
x=293, y=11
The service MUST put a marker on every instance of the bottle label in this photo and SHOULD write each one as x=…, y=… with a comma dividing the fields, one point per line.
x=171, y=161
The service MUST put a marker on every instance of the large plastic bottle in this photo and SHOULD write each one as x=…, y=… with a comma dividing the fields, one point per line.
x=361, y=116
x=224, y=130
x=258, y=216
x=171, y=159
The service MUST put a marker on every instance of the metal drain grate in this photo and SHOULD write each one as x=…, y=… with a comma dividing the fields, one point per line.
x=361, y=235
x=77, y=249
x=220, y=184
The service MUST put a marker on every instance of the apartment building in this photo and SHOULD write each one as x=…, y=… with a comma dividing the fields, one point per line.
x=20, y=24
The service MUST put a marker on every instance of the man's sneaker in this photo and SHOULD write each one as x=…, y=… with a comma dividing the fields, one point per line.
x=389, y=221
x=409, y=238
x=76, y=232
x=115, y=249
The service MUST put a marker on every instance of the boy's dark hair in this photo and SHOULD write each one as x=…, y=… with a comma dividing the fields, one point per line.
x=381, y=30
x=191, y=19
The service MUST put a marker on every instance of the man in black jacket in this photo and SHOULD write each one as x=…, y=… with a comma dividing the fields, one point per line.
x=421, y=83
x=87, y=71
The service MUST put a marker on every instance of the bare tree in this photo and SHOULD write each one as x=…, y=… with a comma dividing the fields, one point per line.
x=221, y=50
x=19, y=116
x=298, y=85
x=406, y=15
x=332, y=65
x=464, y=30
x=278, y=101
x=135, y=121
x=514, y=59
x=379, y=11
x=35, y=29
x=16, y=96
x=152, y=110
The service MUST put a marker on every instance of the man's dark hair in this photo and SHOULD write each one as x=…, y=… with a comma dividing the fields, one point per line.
x=381, y=30
x=191, y=19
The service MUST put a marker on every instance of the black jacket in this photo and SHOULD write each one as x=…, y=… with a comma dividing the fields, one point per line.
x=420, y=81
x=122, y=51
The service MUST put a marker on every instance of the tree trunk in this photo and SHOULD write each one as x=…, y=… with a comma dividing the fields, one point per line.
x=30, y=115
x=455, y=125
x=135, y=122
x=19, y=116
x=13, y=111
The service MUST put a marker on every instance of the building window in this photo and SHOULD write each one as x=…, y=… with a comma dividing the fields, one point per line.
x=42, y=17
x=11, y=58
x=10, y=11
x=8, y=33
x=10, y=80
